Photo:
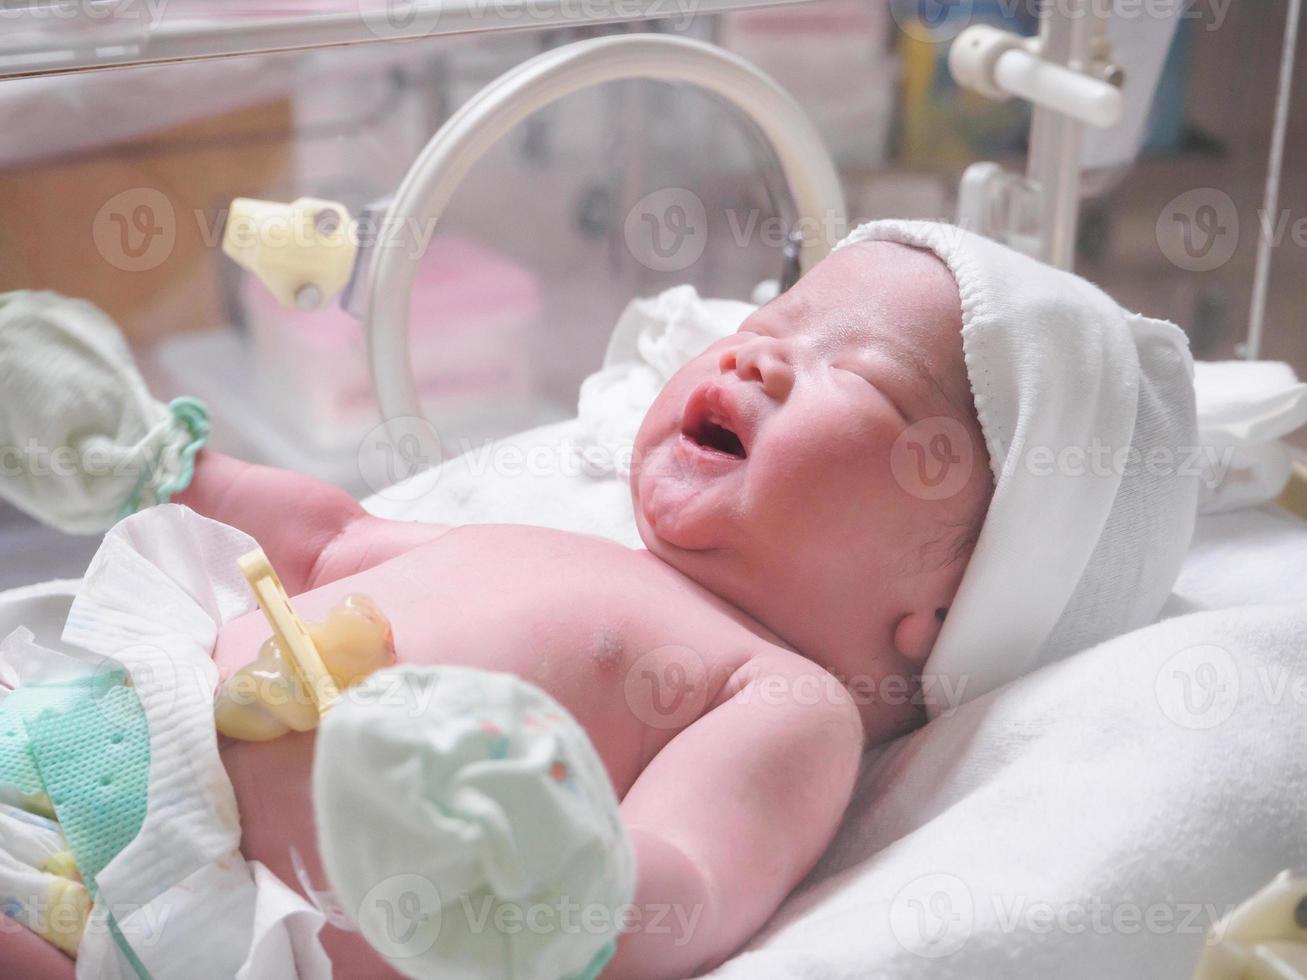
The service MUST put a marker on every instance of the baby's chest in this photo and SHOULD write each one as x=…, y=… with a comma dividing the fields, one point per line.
x=588, y=637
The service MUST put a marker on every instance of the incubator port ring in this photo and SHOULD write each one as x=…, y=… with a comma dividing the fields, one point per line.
x=486, y=117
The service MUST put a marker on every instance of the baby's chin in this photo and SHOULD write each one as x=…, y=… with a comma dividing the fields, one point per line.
x=665, y=515
x=673, y=513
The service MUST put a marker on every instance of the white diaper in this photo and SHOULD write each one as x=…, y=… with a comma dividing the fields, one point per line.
x=174, y=897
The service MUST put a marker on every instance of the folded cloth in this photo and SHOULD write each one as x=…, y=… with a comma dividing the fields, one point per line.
x=1089, y=421
x=1244, y=409
x=82, y=442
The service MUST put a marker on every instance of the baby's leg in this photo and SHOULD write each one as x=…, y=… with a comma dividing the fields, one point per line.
x=312, y=532
x=25, y=954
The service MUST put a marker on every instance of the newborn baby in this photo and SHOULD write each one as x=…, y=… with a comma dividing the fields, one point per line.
x=883, y=477
x=785, y=562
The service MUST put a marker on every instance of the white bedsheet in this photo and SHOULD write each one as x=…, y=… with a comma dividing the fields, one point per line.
x=1085, y=821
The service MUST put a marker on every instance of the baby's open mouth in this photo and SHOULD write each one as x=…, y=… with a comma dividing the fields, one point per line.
x=708, y=424
x=718, y=438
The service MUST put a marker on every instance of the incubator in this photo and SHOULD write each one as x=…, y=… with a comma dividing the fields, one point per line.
x=443, y=254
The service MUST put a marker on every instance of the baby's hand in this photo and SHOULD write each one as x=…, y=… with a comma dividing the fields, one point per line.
x=265, y=699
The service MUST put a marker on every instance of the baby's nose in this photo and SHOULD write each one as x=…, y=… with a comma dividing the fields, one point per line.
x=763, y=360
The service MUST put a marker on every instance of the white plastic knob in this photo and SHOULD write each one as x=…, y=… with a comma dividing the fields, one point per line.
x=999, y=64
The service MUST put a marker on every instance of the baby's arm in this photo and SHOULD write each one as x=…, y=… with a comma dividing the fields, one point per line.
x=733, y=812
x=313, y=532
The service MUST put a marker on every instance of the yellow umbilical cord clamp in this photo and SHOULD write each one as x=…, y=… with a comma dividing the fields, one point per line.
x=289, y=630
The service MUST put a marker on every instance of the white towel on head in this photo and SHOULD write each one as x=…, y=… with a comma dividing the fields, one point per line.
x=1088, y=416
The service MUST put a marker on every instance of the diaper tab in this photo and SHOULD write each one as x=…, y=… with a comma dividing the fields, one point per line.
x=78, y=748
x=93, y=756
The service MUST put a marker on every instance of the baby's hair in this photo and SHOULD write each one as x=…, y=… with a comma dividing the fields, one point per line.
x=954, y=545
x=965, y=542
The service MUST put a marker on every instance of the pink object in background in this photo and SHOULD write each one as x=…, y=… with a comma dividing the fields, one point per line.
x=472, y=308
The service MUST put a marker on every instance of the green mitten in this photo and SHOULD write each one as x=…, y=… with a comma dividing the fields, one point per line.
x=82, y=442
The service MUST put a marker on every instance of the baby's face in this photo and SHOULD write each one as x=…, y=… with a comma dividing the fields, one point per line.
x=763, y=469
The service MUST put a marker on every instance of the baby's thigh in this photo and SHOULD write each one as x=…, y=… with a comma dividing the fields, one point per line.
x=25, y=954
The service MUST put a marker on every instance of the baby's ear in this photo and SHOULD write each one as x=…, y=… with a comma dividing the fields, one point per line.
x=915, y=634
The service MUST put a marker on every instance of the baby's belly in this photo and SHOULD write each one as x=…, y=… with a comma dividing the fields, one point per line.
x=552, y=626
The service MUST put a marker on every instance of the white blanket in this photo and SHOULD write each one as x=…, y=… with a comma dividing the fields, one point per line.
x=1092, y=819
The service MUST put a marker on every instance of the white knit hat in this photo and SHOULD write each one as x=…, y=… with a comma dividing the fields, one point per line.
x=1088, y=416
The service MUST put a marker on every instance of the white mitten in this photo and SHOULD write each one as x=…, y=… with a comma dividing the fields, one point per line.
x=468, y=826
x=82, y=442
